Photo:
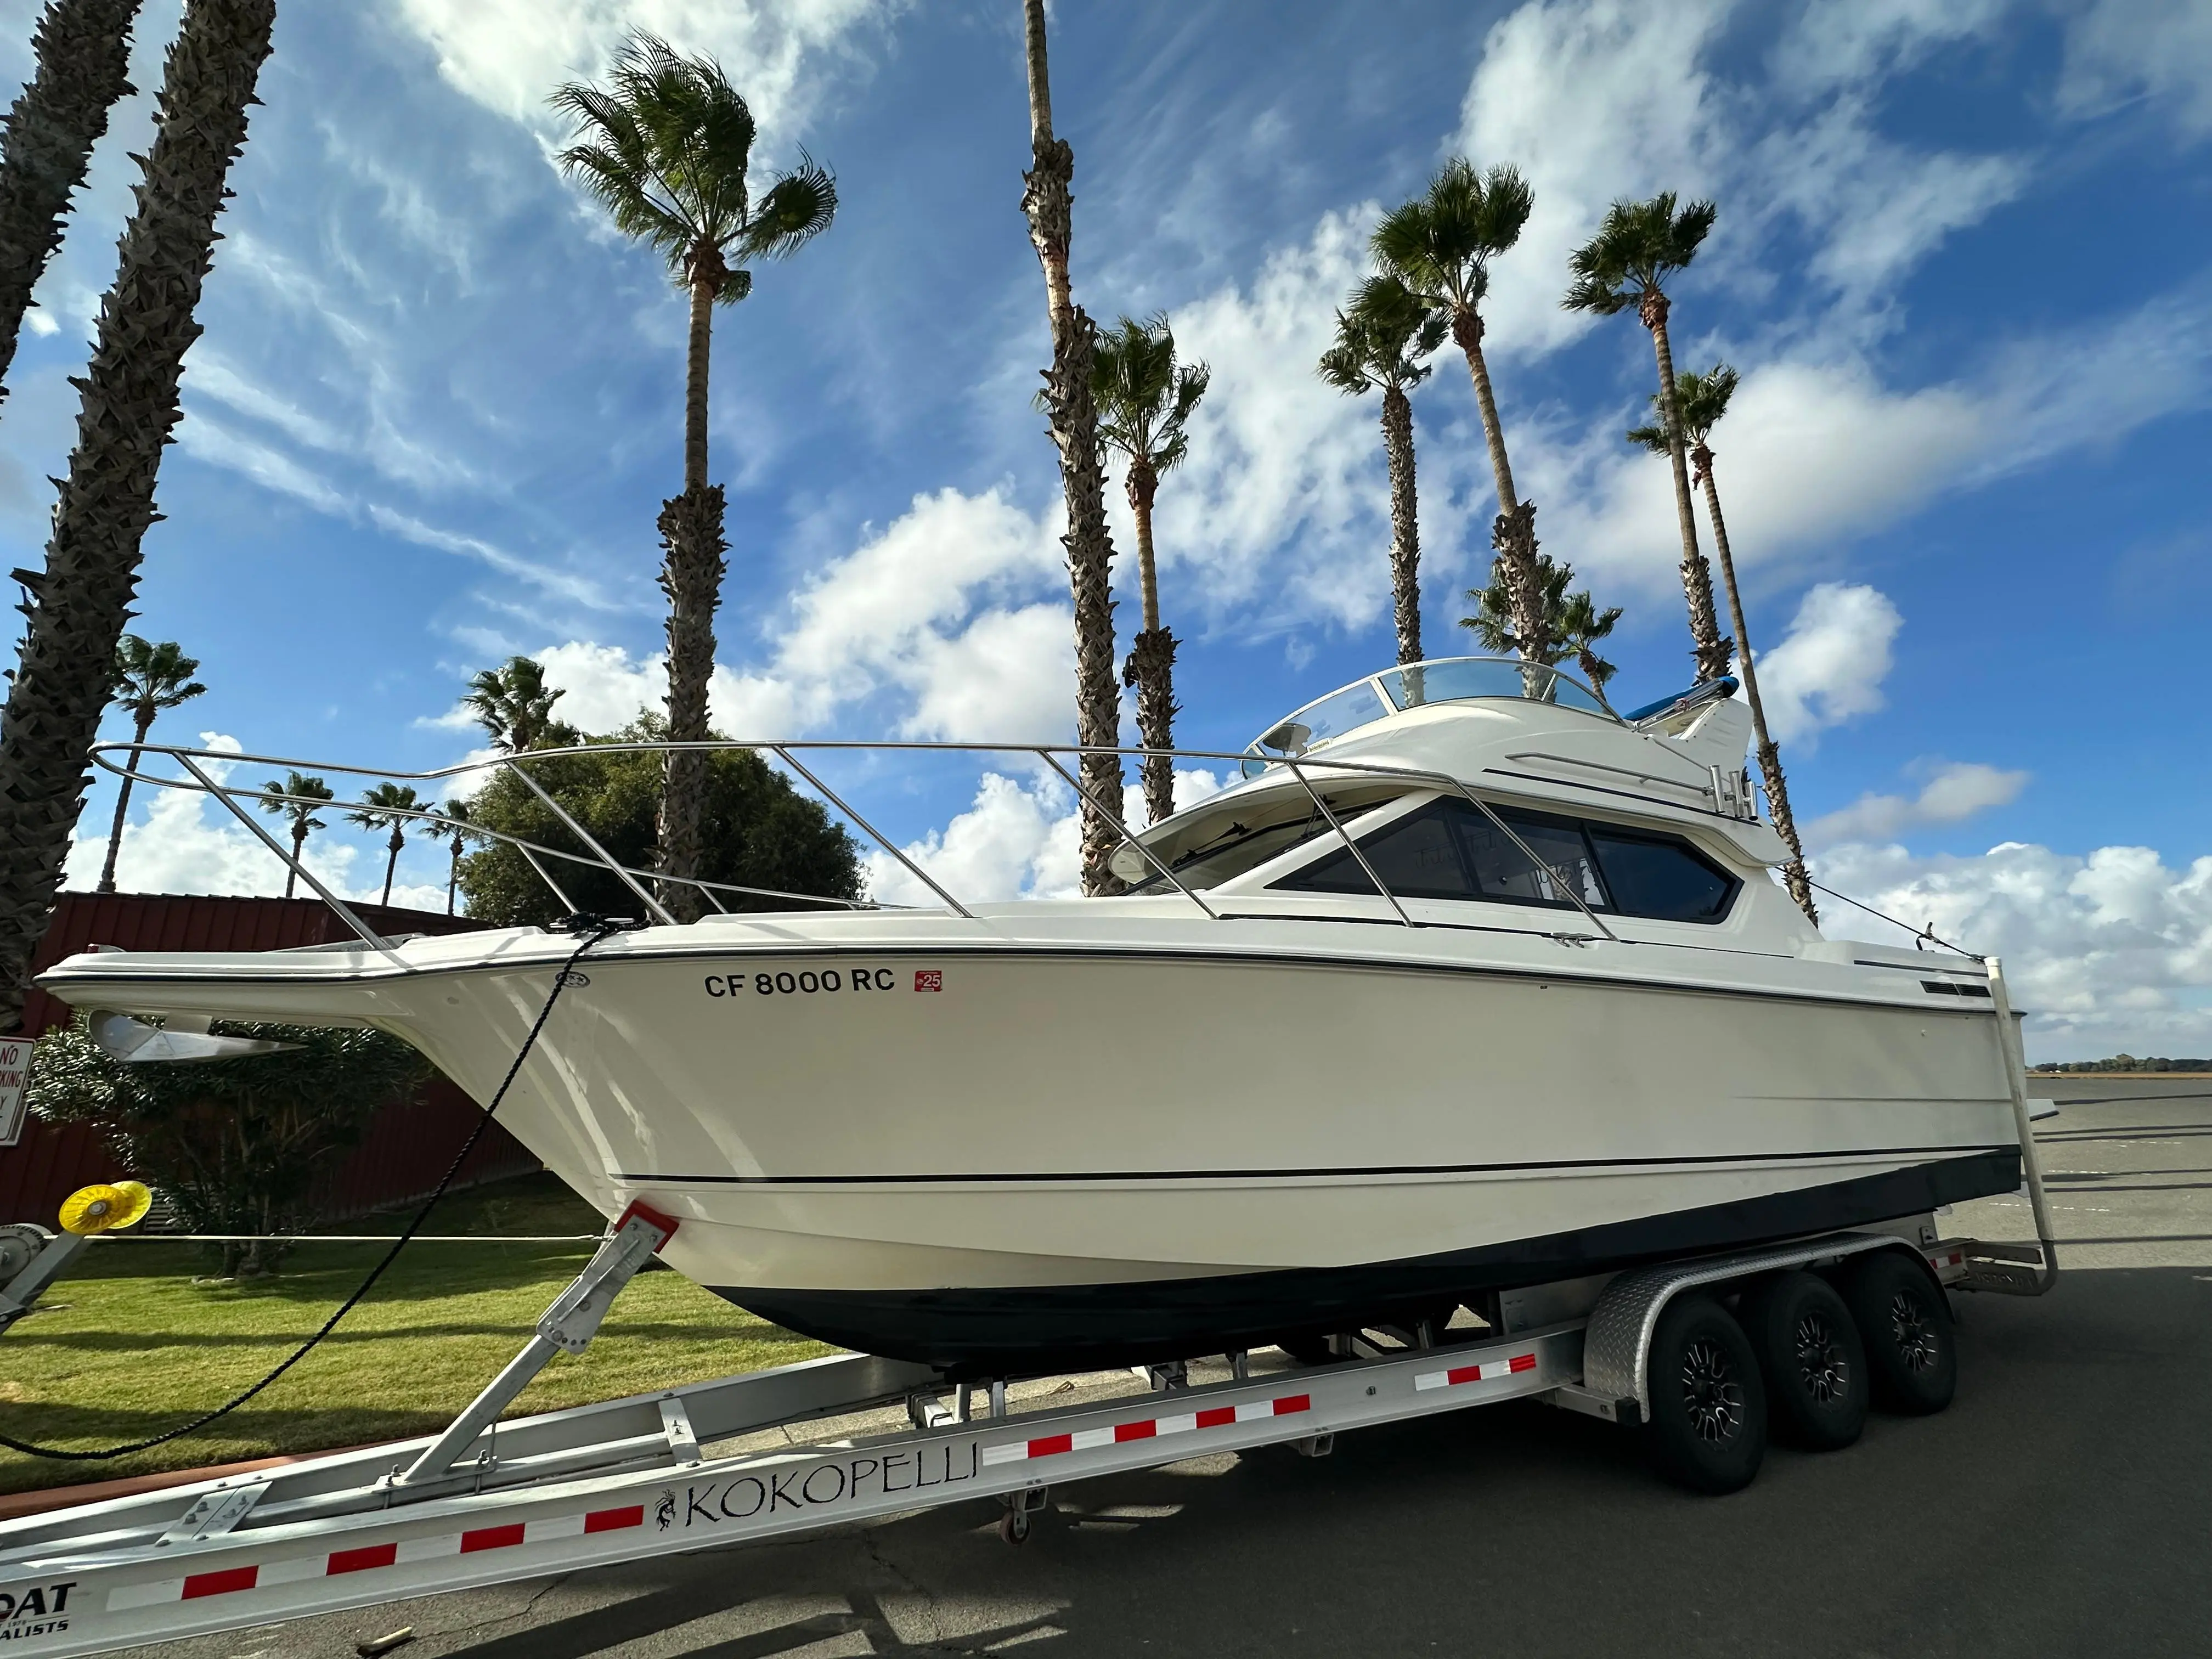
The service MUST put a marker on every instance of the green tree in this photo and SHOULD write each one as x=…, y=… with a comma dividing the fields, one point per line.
x=1635, y=252
x=514, y=705
x=127, y=408
x=234, y=1145
x=1700, y=400
x=1573, y=625
x=457, y=833
x=667, y=148
x=1048, y=205
x=148, y=678
x=1379, y=344
x=761, y=832
x=389, y=806
x=83, y=48
x=1440, y=246
x=295, y=800
x=1145, y=399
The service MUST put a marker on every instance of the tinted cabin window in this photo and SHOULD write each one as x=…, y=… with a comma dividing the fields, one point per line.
x=1418, y=857
x=1449, y=850
x=1661, y=878
x=1505, y=872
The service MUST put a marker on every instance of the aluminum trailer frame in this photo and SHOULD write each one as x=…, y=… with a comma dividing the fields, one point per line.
x=488, y=1503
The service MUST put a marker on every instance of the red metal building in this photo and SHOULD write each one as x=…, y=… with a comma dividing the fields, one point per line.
x=407, y=1147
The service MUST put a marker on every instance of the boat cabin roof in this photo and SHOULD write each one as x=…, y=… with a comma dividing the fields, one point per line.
x=1442, y=679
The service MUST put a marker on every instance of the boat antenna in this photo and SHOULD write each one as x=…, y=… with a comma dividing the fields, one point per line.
x=599, y=930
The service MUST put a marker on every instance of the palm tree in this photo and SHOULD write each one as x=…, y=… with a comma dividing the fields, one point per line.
x=456, y=832
x=388, y=806
x=127, y=409
x=1440, y=246
x=148, y=679
x=83, y=51
x=295, y=800
x=1573, y=625
x=512, y=703
x=1700, y=400
x=1145, y=400
x=1637, y=251
x=1048, y=205
x=667, y=150
x=1380, y=342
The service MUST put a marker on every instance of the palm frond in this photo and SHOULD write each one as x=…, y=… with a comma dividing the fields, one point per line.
x=1440, y=244
x=1700, y=400
x=795, y=210
x=1145, y=398
x=1653, y=438
x=1637, y=247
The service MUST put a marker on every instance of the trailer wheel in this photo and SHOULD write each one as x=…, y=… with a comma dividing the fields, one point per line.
x=1014, y=1525
x=1913, y=1359
x=1308, y=1350
x=1810, y=1357
x=1708, y=1425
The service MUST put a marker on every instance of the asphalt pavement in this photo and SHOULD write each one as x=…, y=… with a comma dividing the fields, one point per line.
x=2062, y=1506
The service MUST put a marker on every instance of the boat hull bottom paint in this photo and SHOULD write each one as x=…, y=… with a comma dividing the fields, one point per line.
x=1022, y=1331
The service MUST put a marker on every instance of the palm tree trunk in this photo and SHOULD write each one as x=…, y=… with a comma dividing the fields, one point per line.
x=1405, y=522
x=142, y=723
x=83, y=49
x=292, y=870
x=1794, y=874
x=128, y=409
x=453, y=879
x=1514, y=534
x=1712, y=651
x=1150, y=667
x=691, y=576
x=391, y=861
x=1048, y=206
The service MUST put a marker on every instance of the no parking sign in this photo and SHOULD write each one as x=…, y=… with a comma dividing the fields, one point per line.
x=15, y=1065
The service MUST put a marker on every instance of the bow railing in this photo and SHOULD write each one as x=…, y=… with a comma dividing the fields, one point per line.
x=204, y=769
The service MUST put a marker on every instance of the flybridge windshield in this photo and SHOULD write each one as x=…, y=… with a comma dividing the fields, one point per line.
x=1449, y=679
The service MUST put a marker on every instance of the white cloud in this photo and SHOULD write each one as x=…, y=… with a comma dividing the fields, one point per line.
x=1281, y=512
x=2106, y=951
x=1830, y=665
x=1015, y=841
x=1954, y=791
x=508, y=54
x=2118, y=51
x=1592, y=102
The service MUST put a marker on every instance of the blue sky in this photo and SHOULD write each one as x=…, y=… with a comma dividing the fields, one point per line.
x=1964, y=261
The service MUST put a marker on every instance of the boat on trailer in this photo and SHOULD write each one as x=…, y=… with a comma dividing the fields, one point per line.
x=1467, y=982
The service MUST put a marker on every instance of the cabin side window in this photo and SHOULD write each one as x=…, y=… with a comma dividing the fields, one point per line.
x=1449, y=850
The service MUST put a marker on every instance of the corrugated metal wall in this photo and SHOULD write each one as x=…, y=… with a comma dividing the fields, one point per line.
x=407, y=1147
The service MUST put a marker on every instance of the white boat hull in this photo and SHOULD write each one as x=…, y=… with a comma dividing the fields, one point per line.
x=1109, y=1131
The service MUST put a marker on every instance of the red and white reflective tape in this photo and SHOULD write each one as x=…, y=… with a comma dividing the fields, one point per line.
x=1489, y=1371
x=1944, y=1260
x=226, y=1580
x=1147, y=1428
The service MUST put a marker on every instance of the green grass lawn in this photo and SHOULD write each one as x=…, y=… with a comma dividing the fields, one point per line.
x=128, y=1344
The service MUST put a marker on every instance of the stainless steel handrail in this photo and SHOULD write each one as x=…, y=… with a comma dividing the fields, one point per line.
x=195, y=760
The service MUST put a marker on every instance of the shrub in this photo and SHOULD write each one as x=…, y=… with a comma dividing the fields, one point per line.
x=233, y=1146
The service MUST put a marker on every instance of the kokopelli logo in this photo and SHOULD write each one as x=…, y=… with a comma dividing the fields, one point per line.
x=664, y=1512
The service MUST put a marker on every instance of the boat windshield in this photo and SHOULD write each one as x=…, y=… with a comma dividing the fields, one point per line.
x=1447, y=679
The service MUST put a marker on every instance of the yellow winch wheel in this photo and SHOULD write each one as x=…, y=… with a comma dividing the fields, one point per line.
x=102, y=1208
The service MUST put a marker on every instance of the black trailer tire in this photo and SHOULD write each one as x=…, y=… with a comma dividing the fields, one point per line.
x=1912, y=1358
x=1707, y=1430
x=1307, y=1348
x=1810, y=1357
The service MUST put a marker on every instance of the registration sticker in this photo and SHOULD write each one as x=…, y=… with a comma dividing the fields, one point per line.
x=929, y=979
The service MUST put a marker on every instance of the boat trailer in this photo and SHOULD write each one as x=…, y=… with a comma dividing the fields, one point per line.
x=490, y=1501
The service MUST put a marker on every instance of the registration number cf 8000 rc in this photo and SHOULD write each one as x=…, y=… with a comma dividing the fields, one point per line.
x=811, y=981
